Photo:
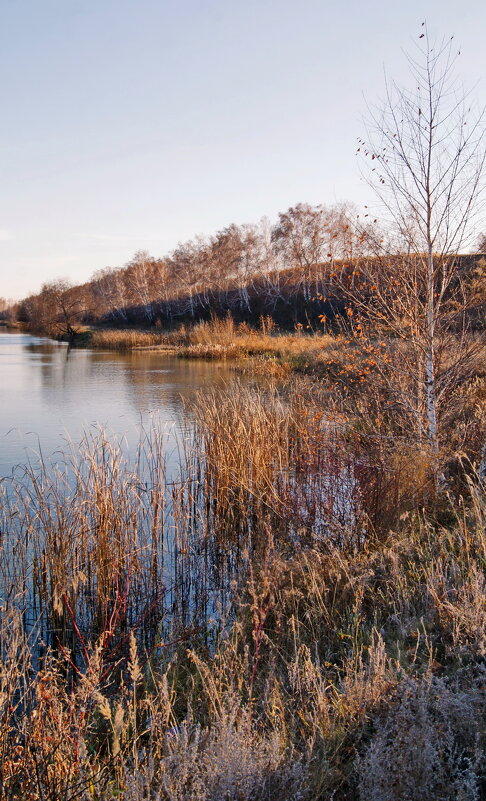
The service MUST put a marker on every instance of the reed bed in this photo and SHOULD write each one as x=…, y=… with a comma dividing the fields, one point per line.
x=285, y=617
x=222, y=339
x=226, y=339
x=115, y=339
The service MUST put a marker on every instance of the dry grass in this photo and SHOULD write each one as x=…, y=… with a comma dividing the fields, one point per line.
x=115, y=339
x=224, y=339
x=285, y=619
x=357, y=372
x=430, y=746
x=327, y=680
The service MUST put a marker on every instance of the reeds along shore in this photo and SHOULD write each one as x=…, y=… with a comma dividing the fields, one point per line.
x=216, y=339
x=297, y=615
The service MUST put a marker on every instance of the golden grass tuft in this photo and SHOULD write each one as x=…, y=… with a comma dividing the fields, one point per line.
x=115, y=339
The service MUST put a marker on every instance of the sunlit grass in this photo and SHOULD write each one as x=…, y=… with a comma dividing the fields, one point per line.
x=115, y=339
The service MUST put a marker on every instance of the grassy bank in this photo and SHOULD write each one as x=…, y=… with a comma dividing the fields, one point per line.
x=260, y=351
x=218, y=339
x=298, y=614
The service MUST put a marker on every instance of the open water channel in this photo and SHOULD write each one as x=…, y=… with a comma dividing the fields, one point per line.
x=51, y=395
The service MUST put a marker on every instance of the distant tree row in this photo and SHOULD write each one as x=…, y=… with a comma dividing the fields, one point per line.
x=246, y=269
x=294, y=270
x=7, y=309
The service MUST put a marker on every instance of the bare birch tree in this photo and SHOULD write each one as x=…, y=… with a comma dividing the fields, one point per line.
x=481, y=244
x=427, y=150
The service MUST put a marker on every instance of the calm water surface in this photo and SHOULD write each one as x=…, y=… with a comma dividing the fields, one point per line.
x=51, y=395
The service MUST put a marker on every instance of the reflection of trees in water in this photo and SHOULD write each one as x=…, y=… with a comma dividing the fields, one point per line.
x=71, y=390
x=147, y=381
x=157, y=383
x=73, y=371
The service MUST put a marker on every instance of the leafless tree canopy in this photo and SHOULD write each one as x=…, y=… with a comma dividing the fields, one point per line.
x=426, y=155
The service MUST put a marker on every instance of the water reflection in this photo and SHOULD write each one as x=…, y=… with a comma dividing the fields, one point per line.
x=50, y=393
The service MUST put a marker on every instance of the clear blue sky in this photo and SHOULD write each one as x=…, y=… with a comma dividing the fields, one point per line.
x=129, y=124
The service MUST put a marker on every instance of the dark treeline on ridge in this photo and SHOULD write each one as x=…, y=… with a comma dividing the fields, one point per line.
x=293, y=271
x=248, y=270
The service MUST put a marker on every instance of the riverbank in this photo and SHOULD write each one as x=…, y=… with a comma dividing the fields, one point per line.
x=288, y=616
x=299, y=615
x=371, y=378
x=266, y=351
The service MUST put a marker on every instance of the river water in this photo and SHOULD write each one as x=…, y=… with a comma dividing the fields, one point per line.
x=51, y=395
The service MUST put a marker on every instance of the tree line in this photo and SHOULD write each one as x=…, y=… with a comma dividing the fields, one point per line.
x=301, y=269
x=248, y=270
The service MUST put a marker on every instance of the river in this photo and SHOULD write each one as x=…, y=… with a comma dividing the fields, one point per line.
x=51, y=395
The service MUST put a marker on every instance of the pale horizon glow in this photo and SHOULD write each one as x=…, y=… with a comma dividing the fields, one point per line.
x=135, y=125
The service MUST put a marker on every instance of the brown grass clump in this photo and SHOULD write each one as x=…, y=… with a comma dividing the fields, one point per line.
x=258, y=425
x=114, y=339
x=224, y=339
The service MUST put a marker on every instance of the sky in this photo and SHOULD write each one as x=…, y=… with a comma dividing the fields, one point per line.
x=136, y=124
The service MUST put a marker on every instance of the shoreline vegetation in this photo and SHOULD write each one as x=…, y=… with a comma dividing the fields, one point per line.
x=299, y=614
